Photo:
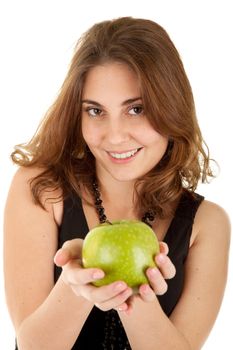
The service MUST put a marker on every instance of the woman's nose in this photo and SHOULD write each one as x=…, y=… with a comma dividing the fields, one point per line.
x=118, y=132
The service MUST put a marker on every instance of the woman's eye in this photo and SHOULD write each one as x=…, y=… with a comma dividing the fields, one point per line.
x=93, y=112
x=136, y=110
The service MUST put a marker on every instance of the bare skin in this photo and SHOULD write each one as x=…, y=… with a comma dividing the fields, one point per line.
x=48, y=316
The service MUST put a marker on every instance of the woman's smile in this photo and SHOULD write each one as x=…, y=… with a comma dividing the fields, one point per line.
x=124, y=157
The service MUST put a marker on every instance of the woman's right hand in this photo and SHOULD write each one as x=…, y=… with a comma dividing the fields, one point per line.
x=111, y=296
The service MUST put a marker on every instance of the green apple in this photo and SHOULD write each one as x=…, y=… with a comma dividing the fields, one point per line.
x=123, y=250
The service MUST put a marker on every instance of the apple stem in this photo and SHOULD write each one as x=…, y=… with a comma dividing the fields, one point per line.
x=108, y=222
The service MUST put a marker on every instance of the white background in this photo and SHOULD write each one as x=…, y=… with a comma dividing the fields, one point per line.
x=36, y=44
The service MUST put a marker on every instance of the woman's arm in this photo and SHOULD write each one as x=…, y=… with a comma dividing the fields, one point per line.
x=147, y=326
x=47, y=316
x=44, y=316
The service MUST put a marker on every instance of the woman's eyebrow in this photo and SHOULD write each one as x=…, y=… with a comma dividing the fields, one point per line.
x=126, y=102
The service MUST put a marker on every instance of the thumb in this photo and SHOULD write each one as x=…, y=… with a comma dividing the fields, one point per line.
x=70, y=250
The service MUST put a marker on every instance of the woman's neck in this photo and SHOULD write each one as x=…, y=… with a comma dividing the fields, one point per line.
x=116, y=191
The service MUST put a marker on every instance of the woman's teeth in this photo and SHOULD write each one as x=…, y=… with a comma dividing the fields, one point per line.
x=124, y=155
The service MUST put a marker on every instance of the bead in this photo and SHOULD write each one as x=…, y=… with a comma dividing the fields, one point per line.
x=95, y=186
x=96, y=194
x=102, y=219
x=98, y=201
x=100, y=209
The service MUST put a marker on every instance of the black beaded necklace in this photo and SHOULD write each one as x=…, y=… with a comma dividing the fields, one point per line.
x=114, y=333
x=148, y=217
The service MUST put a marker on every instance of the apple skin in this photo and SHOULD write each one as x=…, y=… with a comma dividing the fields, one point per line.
x=123, y=250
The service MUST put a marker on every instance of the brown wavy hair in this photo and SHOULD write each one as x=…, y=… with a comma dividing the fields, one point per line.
x=58, y=146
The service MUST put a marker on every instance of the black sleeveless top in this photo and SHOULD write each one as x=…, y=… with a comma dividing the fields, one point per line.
x=104, y=330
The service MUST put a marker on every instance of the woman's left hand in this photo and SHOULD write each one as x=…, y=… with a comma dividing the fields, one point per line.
x=157, y=275
x=157, y=278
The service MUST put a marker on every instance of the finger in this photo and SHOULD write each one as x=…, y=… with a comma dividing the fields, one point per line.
x=70, y=250
x=147, y=294
x=122, y=307
x=163, y=248
x=108, y=292
x=157, y=281
x=61, y=257
x=127, y=306
x=76, y=275
x=165, y=265
x=116, y=301
x=105, y=297
x=129, y=303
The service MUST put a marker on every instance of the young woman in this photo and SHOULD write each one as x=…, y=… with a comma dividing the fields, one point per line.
x=121, y=141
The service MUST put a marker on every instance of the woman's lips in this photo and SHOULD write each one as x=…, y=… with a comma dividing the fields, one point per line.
x=123, y=157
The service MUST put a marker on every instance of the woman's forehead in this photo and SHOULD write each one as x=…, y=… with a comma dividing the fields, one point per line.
x=109, y=80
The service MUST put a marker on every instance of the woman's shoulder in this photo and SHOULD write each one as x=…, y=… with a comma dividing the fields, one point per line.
x=212, y=222
x=21, y=182
x=211, y=211
x=26, y=173
x=21, y=188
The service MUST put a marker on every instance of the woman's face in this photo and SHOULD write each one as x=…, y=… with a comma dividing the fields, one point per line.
x=114, y=125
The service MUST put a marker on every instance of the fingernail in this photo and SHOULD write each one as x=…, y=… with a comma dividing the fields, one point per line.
x=160, y=258
x=97, y=275
x=58, y=252
x=119, y=286
x=146, y=289
x=57, y=256
x=122, y=308
x=153, y=271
